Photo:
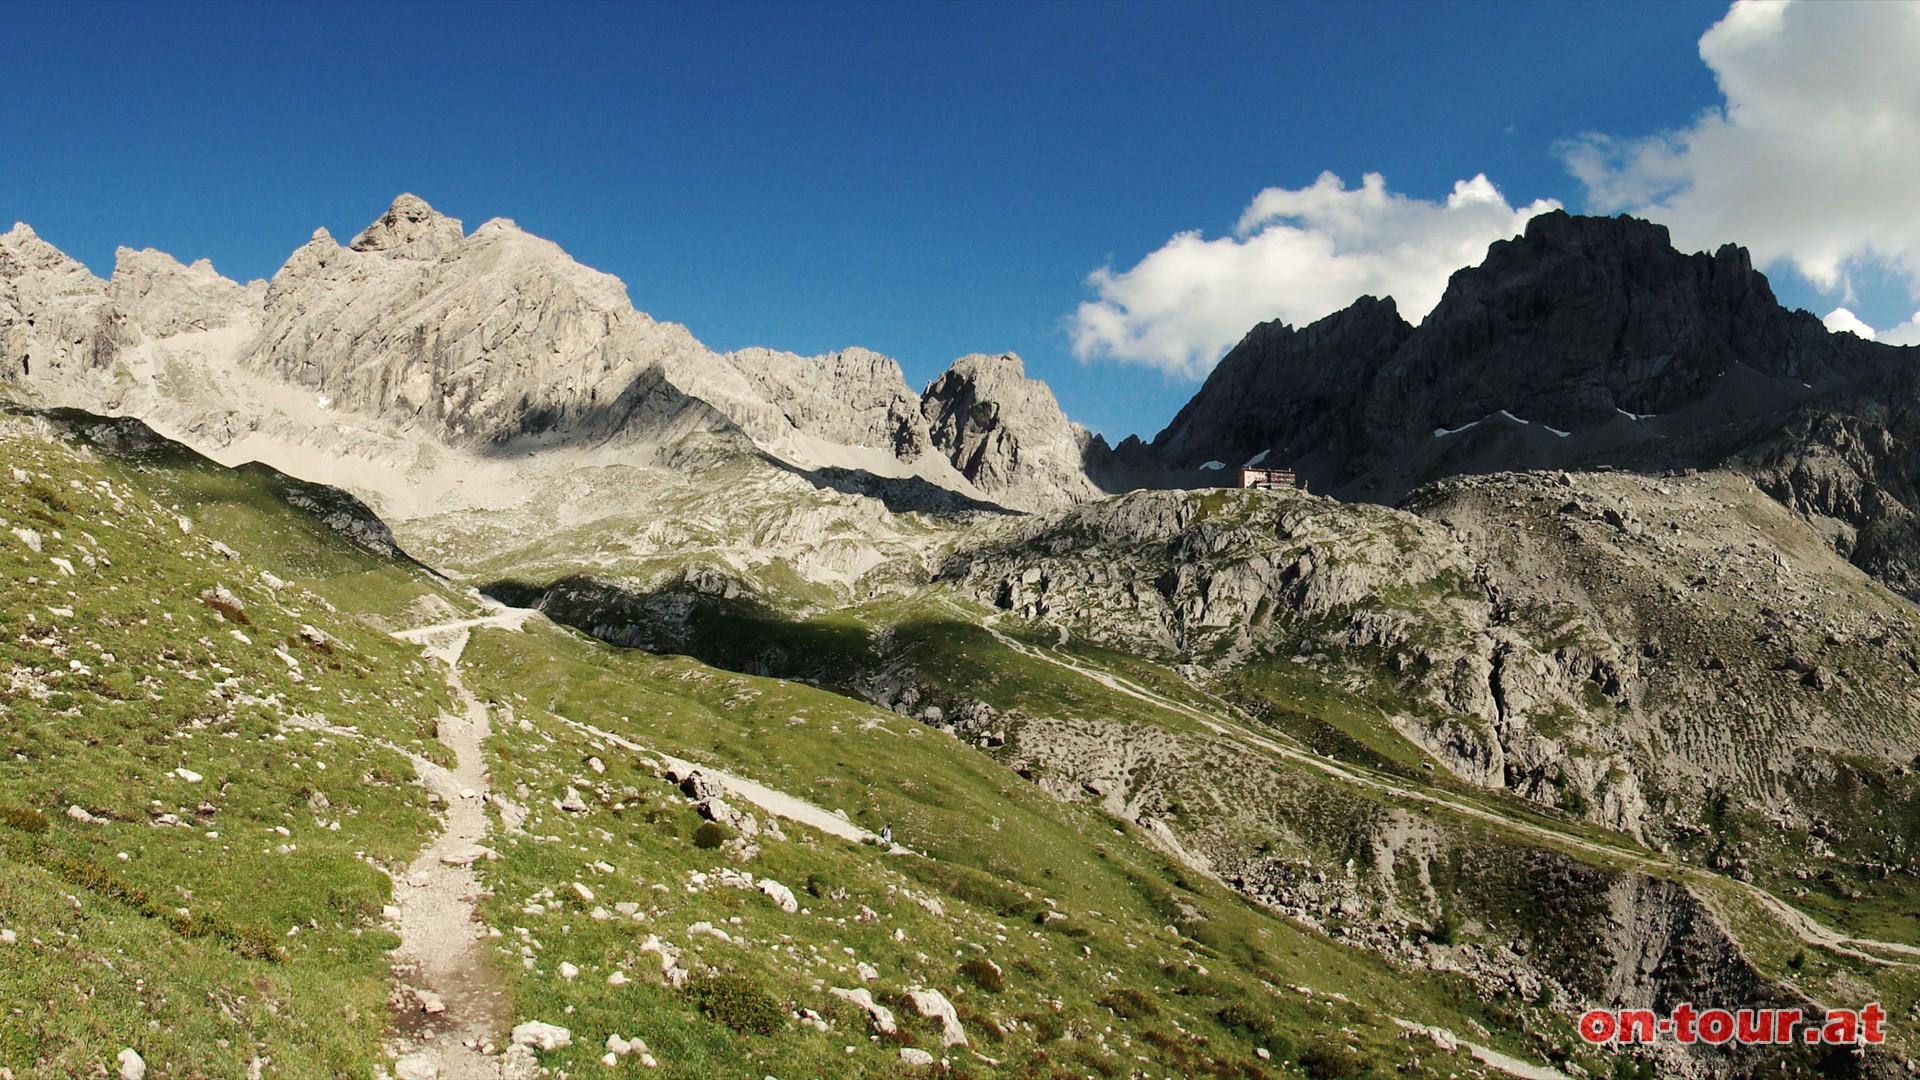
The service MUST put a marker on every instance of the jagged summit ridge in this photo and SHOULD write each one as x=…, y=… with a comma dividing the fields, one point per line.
x=474, y=341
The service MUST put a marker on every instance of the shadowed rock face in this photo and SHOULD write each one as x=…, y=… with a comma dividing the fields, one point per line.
x=1569, y=326
x=1587, y=342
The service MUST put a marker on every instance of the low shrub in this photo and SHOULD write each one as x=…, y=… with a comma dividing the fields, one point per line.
x=985, y=974
x=1130, y=1004
x=738, y=1002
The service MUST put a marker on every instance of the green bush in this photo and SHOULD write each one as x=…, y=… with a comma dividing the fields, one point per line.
x=26, y=819
x=738, y=1002
x=985, y=974
x=1332, y=1061
x=711, y=834
x=1244, y=1018
x=1130, y=1004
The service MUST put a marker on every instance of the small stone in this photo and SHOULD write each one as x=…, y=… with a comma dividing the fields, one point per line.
x=572, y=803
x=915, y=1058
x=609, y=1060
x=420, y=1066
x=584, y=892
x=568, y=971
x=541, y=1036
x=132, y=1067
x=618, y=1045
x=188, y=775
x=618, y=978
x=430, y=1003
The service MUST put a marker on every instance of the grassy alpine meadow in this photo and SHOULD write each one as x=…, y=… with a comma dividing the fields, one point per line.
x=203, y=770
x=1068, y=943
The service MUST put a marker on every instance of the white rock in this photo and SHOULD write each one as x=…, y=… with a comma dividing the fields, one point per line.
x=618, y=1045
x=915, y=1058
x=934, y=1006
x=188, y=775
x=79, y=813
x=541, y=1036
x=609, y=1060
x=618, y=978
x=8, y=937
x=866, y=971
x=584, y=892
x=780, y=895
x=29, y=537
x=880, y=1015
x=131, y=1065
x=420, y=1066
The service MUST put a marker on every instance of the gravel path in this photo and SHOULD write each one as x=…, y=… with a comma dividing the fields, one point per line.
x=449, y=1004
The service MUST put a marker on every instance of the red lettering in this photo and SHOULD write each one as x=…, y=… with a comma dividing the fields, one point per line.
x=1870, y=1019
x=1756, y=1026
x=1716, y=1026
x=1841, y=1027
x=1684, y=1019
x=1597, y=1026
x=1637, y=1026
x=1784, y=1021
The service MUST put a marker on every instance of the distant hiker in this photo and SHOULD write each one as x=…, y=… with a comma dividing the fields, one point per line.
x=886, y=834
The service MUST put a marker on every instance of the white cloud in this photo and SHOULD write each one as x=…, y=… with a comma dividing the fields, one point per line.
x=1842, y=321
x=1814, y=159
x=1907, y=333
x=1296, y=255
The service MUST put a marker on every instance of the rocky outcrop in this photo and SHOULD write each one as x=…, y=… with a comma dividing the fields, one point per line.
x=1619, y=647
x=1006, y=434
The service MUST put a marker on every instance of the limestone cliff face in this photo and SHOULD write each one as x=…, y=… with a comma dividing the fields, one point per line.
x=1006, y=434
x=54, y=314
x=476, y=339
x=856, y=397
x=153, y=296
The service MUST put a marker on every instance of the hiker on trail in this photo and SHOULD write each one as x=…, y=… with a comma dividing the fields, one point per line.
x=886, y=834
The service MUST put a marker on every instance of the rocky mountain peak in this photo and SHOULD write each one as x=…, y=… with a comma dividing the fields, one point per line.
x=410, y=229
x=1006, y=434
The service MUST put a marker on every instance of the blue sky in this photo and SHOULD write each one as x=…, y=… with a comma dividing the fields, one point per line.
x=926, y=180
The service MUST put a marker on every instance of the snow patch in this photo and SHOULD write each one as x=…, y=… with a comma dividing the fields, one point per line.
x=1634, y=415
x=1256, y=459
x=1441, y=433
x=1214, y=465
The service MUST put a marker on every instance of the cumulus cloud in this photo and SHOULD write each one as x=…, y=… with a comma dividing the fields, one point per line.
x=1814, y=157
x=1840, y=320
x=1296, y=255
